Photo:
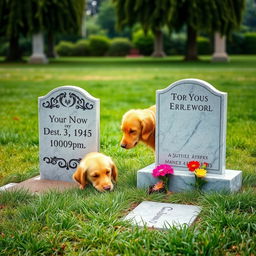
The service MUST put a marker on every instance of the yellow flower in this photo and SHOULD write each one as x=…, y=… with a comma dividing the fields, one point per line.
x=200, y=173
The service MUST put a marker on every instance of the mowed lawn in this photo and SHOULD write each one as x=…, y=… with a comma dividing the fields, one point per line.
x=89, y=223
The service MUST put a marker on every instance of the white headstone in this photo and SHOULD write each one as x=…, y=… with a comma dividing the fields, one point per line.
x=163, y=215
x=68, y=130
x=38, y=56
x=191, y=125
x=220, y=54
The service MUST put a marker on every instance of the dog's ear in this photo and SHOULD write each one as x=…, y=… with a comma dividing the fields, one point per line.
x=148, y=126
x=80, y=176
x=114, y=171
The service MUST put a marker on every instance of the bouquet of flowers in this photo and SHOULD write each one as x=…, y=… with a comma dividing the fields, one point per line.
x=162, y=172
x=199, y=171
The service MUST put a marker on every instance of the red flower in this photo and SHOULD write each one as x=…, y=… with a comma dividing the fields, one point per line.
x=206, y=164
x=192, y=165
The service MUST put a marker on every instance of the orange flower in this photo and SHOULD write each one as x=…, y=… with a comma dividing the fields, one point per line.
x=159, y=185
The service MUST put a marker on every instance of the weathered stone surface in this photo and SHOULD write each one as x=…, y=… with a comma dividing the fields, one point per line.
x=191, y=125
x=68, y=130
x=230, y=181
x=163, y=215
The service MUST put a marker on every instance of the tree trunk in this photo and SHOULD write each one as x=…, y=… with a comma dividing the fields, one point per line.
x=50, y=45
x=191, y=48
x=14, y=52
x=158, y=44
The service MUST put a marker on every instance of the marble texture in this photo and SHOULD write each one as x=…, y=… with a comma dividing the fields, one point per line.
x=230, y=180
x=163, y=215
x=69, y=119
x=191, y=125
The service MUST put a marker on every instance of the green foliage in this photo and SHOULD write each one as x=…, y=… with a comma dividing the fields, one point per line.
x=59, y=16
x=16, y=17
x=144, y=42
x=95, y=46
x=250, y=43
x=235, y=43
x=92, y=28
x=208, y=15
x=107, y=17
x=65, y=48
x=3, y=49
x=175, y=44
x=152, y=14
x=98, y=45
x=81, y=48
x=204, y=45
x=120, y=47
x=249, y=18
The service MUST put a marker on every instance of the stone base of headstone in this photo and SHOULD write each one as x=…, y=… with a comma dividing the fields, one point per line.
x=7, y=186
x=36, y=185
x=163, y=215
x=158, y=54
x=38, y=59
x=220, y=57
x=230, y=181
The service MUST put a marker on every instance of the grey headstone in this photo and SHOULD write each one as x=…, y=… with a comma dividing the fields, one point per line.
x=68, y=129
x=191, y=125
x=163, y=215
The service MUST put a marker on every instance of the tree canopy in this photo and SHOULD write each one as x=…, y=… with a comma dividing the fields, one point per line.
x=198, y=15
x=152, y=14
x=63, y=16
x=22, y=18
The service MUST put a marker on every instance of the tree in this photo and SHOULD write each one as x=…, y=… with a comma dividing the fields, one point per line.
x=153, y=14
x=15, y=21
x=250, y=15
x=58, y=17
x=107, y=18
x=206, y=16
x=22, y=18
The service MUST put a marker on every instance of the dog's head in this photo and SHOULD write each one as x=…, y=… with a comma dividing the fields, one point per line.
x=136, y=125
x=97, y=169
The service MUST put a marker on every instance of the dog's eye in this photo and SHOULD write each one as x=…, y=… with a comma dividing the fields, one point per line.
x=95, y=175
x=107, y=172
x=132, y=131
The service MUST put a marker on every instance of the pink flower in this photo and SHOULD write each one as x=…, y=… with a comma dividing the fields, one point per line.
x=162, y=170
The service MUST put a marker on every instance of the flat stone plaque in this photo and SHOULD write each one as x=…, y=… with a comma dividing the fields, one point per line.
x=68, y=130
x=163, y=215
x=191, y=125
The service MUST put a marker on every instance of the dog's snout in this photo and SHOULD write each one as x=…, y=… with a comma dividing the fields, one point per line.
x=123, y=145
x=107, y=188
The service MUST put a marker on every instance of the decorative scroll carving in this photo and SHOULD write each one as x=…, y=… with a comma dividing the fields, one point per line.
x=62, y=163
x=69, y=100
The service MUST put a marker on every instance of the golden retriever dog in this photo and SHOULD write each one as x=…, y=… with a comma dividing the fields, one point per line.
x=97, y=169
x=138, y=125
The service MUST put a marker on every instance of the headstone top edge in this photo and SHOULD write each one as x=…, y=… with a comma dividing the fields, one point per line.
x=70, y=87
x=191, y=81
x=146, y=201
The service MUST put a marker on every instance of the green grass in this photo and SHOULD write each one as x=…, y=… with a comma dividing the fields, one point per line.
x=87, y=222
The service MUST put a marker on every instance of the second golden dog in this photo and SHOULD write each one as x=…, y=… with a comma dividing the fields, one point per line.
x=139, y=125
